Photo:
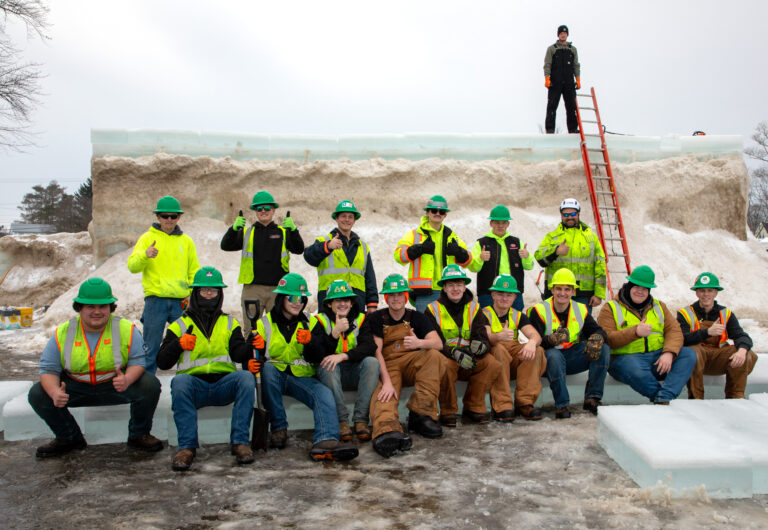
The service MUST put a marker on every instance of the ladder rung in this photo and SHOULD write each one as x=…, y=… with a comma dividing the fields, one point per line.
x=614, y=239
x=610, y=223
x=587, y=108
x=604, y=192
x=607, y=207
x=588, y=121
x=584, y=95
x=601, y=178
x=599, y=149
x=592, y=135
x=604, y=164
x=617, y=255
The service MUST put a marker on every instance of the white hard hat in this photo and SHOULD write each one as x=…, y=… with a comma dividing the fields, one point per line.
x=570, y=203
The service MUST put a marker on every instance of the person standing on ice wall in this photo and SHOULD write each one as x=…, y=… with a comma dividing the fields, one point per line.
x=498, y=252
x=94, y=359
x=342, y=255
x=647, y=351
x=574, y=246
x=167, y=260
x=264, y=251
x=427, y=250
x=561, y=66
x=707, y=327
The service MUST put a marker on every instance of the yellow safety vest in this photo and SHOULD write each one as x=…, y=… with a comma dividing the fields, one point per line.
x=110, y=351
x=246, y=256
x=693, y=321
x=336, y=267
x=281, y=353
x=577, y=313
x=451, y=332
x=345, y=342
x=210, y=355
x=625, y=318
x=496, y=325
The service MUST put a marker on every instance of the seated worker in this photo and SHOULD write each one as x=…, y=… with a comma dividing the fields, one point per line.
x=574, y=343
x=526, y=363
x=407, y=349
x=345, y=351
x=647, y=351
x=461, y=327
x=282, y=334
x=205, y=344
x=82, y=366
x=707, y=327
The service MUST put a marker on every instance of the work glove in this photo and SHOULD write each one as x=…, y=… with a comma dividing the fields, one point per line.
x=414, y=252
x=478, y=349
x=257, y=341
x=254, y=366
x=464, y=359
x=594, y=348
x=578, y=83
x=547, y=82
x=288, y=223
x=303, y=336
x=559, y=336
x=188, y=340
x=428, y=246
x=239, y=222
x=454, y=249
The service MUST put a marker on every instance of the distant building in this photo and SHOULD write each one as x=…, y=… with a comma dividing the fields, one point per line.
x=29, y=228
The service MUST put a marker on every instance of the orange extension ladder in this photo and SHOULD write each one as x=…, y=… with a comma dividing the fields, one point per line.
x=602, y=192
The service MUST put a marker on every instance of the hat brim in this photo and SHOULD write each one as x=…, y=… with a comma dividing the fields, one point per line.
x=97, y=301
x=647, y=285
x=441, y=281
x=335, y=214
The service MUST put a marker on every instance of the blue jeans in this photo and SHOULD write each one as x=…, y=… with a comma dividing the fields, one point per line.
x=189, y=393
x=487, y=299
x=638, y=371
x=157, y=312
x=573, y=361
x=421, y=302
x=362, y=376
x=142, y=395
x=309, y=391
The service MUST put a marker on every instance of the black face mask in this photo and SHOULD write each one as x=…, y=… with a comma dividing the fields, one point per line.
x=199, y=304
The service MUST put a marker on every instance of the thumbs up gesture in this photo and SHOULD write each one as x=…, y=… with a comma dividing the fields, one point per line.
x=485, y=254
x=119, y=381
x=60, y=396
x=239, y=223
x=506, y=334
x=643, y=329
x=188, y=340
x=341, y=325
x=151, y=251
x=411, y=341
x=524, y=251
x=716, y=329
x=562, y=249
x=335, y=243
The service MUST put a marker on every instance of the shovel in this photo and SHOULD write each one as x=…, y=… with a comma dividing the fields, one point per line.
x=260, y=414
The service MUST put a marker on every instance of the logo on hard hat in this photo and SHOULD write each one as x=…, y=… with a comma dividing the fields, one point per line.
x=346, y=204
x=453, y=273
x=281, y=282
x=209, y=274
x=704, y=279
x=302, y=287
x=505, y=284
x=393, y=285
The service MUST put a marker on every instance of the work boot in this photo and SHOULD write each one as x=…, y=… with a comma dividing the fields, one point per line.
x=389, y=443
x=424, y=425
x=505, y=416
x=661, y=402
x=591, y=404
x=362, y=431
x=183, y=459
x=529, y=412
x=243, y=453
x=146, y=442
x=448, y=420
x=332, y=450
x=345, y=433
x=57, y=447
x=278, y=439
x=562, y=413
x=475, y=417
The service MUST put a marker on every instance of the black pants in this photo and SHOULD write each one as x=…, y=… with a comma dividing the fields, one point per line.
x=553, y=100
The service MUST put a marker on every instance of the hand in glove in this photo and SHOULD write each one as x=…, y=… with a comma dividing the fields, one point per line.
x=239, y=222
x=254, y=366
x=547, y=82
x=463, y=358
x=303, y=336
x=257, y=341
x=454, y=249
x=578, y=83
x=478, y=349
x=188, y=340
x=288, y=223
x=428, y=246
x=559, y=336
x=594, y=348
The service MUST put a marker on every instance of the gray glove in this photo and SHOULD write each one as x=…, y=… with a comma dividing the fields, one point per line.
x=478, y=349
x=464, y=358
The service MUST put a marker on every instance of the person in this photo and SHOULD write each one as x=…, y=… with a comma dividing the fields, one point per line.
x=461, y=327
x=561, y=66
x=526, y=363
x=573, y=246
x=284, y=332
x=707, y=329
x=94, y=359
x=342, y=255
x=647, y=351
x=205, y=345
x=265, y=250
x=498, y=252
x=167, y=260
x=573, y=343
x=427, y=250
x=345, y=352
x=407, y=350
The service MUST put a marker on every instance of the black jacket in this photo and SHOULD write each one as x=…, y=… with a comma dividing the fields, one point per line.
x=323, y=344
x=732, y=327
x=490, y=269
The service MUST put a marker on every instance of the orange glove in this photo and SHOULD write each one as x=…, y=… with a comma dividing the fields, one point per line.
x=258, y=342
x=547, y=82
x=187, y=342
x=184, y=303
x=303, y=336
x=254, y=366
x=578, y=83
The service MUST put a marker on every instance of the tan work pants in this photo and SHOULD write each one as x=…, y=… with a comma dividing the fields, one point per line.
x=711, y=360
x=480, y=380
x=526, y=373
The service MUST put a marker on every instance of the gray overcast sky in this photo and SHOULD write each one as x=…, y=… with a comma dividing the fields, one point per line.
x=352, y=67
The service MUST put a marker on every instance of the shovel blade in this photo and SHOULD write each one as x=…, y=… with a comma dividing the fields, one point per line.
x=259, y=440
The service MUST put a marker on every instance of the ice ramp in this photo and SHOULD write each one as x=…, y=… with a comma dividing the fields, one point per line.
x=719, y=445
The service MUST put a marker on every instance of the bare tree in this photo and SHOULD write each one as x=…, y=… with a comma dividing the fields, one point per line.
x=757, y=212
x=19, y=80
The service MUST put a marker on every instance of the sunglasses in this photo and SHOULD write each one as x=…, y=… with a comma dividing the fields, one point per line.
x=437, y=211
x=295, y=298
x=572, y=214
x=169, y=216
x=263, y=208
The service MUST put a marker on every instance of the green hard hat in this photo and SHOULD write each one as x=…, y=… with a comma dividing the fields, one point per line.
x=346, y=206
x=504, y=283
x=292, y=284
x=208, y=277
x=500, y=213
x=437, y=202
x=339, y=289
x=394, y=283
x=95, y=291
x=263, y=197
x=706, y=280
x=168, y=204
x=643, y=276
x=453, y=272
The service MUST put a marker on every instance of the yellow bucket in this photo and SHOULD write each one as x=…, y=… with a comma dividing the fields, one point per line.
x=26, y=316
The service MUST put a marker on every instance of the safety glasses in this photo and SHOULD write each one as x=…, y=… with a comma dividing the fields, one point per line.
x=263, y=208
x=169, y=216
x=571, y=214
x=437, y=211
x=295, y=298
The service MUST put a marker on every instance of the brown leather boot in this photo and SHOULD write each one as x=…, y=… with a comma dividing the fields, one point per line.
x=345, y=433
x=145, y=442
x=243, y=453
x=362, y=431
x=278, y=439
x=57, y=447
x=183, y=459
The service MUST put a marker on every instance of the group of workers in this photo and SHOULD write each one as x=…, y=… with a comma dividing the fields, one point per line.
x=98, y=358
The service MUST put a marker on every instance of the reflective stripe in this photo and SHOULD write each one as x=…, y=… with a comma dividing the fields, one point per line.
x=246, y=239
x=693, y=320
x=183, y=325
x=186, y=364
x=117, y=356
x=656, y=309
x=268, y=337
